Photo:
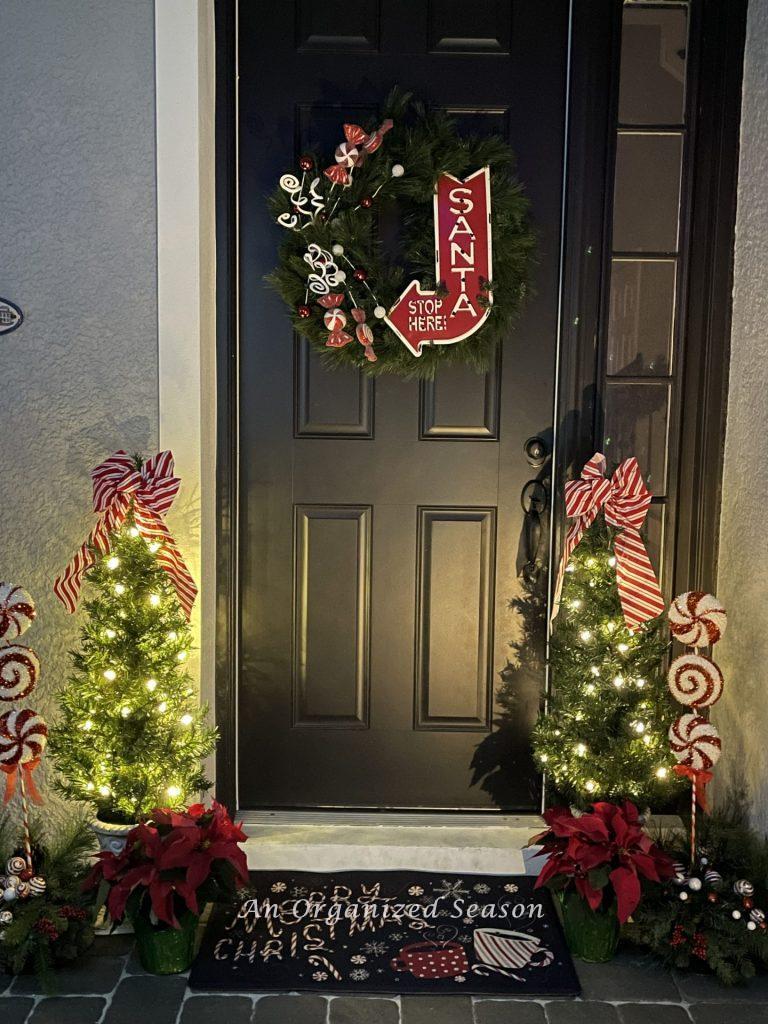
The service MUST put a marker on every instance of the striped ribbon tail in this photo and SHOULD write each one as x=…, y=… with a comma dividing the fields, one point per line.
x=639, y=592
x=152, y=528
x=68, y=584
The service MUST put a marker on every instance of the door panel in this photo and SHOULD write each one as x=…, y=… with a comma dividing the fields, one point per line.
x=380, y=522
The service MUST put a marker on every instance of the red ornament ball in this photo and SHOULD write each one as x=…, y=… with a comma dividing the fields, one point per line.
x=712, y=897
x=366, y=202
x=306, y=163
x=748, y=903
x=26, y=874
x=304, y=312
x=360, y=274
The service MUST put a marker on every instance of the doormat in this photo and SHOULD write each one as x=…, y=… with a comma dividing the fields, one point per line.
x=391, y=932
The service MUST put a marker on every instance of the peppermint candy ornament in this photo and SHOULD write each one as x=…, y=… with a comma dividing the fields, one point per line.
x=695, y=681
x=713, y=878
x=17, y=611
x=743, y=887
x=23, y=736
x=37, y=885
x=695, y=742
x=697, y=619
x=335, y=319
x=6, y=917
x=19, y=669
x=15, y=865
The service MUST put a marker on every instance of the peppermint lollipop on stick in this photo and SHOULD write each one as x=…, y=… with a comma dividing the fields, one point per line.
x=697, y=619
x=19, y=669
x=17, y=611
x=695, y=681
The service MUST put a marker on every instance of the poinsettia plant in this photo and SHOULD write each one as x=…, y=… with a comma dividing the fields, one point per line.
x=173, y=860
x=602, y=853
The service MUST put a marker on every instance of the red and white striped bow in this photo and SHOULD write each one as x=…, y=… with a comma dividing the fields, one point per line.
x=119, y=488
x=624, y=499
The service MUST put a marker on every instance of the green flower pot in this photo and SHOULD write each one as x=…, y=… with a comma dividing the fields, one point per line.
x=165, y=950
x=592, y=935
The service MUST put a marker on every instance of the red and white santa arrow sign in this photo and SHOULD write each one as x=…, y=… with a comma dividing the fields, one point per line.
x=462, y=264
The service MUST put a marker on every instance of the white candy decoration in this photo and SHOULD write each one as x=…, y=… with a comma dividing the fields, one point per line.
x=695, y=742
x=17, y=611
x=695, y=681
x=697, y=619
x=15, y=865
x=37, y=885
x=19, y=669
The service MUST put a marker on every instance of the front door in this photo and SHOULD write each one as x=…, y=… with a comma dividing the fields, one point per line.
x=389, y=647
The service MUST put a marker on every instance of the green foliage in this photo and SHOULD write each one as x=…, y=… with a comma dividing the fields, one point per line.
x=131, y=735
x=698, y=933
x=426, y=144
x=605, y=736
x=56, y=927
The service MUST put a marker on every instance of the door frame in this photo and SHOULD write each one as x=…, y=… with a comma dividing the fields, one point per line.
x=594, y=50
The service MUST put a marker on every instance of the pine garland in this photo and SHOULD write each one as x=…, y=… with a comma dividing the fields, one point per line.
x=427, y=144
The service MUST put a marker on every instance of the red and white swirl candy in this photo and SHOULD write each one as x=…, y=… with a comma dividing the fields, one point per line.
x=695, y=742
x=697, y=619
x=334, y=319
x=23, y=736
x=17, y=611
x=19, y=669
x=695, y=681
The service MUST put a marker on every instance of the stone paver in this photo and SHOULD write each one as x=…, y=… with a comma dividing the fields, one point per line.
x=568, y=1012
x=627, y=978
x=436, y=1010
x=14, y=1010
x=210, y=1009
x=653, y=1013
x=506, y=1011
x=68, y=1010
x=96, y=976
x=146, y=998
x=727, y=1013
x=359, y=1010
x=296, y=1009
x=703, y=987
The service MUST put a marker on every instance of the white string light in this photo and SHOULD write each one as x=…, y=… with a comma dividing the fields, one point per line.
x=110, y=675
x=119, y=589
x=113, y=562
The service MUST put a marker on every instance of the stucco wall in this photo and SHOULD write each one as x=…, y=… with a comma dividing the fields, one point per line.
x=742, y=714
x=77, y=194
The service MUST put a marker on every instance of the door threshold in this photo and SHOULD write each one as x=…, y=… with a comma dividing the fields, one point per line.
x=390, y=819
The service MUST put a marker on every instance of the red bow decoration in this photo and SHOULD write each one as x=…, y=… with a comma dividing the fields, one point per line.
x=352, y=152
x=699, y=781
x=624, y=500
x=119, y=488
x=12, y=771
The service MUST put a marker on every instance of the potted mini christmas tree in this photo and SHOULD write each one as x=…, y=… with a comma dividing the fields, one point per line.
x=132, y=734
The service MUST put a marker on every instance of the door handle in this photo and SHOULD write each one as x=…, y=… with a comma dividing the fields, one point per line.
x=534, y=499
x=536, y=451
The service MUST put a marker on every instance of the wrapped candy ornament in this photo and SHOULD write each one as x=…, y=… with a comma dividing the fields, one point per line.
x=697, y=619
x=17, y=612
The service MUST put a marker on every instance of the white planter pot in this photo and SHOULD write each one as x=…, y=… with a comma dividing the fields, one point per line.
x=111, y=837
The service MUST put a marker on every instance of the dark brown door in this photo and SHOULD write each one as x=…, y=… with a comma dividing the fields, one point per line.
x=380, y=524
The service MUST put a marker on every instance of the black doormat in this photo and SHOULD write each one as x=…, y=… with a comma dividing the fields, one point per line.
x=391, y=931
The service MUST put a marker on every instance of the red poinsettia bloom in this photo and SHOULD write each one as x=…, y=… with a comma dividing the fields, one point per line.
x=606, y=844
x=171, y=857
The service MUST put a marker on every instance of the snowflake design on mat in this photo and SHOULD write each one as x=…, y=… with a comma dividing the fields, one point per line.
x=298, y=892
x=451, y=889
x=459, y=978
x=377, y=948
x=359, y=974
x=466, y=937
x=320, y=976
x=279, y=887
x=482, y=888
x=395, y=936
x=466, y=920
x=416, y=890
x=511, y=887
x=359, y=959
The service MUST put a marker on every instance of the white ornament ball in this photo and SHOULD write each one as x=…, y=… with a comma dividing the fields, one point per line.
x=341, y=275
x=398, y=171
x=37, y=885
x=15, y=865
x=694, y=884
x=751, y=926
x=9, y=894
x=6, y=917
x=683, y=895
x=12, y=882
x=379, y=312
x=736, y=914
x=337, y=250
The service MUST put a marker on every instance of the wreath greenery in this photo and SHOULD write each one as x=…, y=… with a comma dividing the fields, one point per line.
x=425, y=144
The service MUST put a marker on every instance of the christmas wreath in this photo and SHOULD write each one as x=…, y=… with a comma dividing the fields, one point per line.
x=411, y=250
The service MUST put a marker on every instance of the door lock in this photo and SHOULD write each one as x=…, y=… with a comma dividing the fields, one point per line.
x=536, y=452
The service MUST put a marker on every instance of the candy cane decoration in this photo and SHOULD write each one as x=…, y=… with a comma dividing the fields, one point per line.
x=321, y=961
x=25, y=823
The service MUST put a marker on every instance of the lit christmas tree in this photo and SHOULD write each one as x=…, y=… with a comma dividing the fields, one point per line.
x=132, y=734
x=605, y=734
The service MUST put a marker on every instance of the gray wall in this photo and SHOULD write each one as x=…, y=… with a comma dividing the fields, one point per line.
x=742, y=714
x=77, y=214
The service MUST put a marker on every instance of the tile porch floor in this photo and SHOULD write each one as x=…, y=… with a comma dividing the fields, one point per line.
x=110, y=988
